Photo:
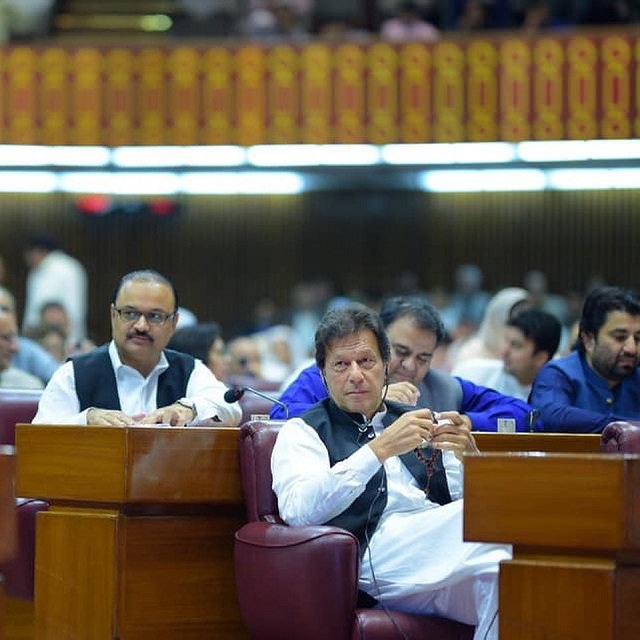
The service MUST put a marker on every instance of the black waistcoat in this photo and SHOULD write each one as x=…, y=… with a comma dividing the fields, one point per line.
x=96, y=380
x=340, y=435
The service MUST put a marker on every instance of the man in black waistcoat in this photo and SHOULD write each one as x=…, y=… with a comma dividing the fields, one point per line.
x=135, y=379
x=392, y=475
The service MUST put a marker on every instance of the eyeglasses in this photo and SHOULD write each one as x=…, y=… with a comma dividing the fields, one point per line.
x=155, y=318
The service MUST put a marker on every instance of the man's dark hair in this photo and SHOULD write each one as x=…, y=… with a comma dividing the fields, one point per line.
x=43, y=241
x=347, y=321
x=52, y=304
x=145, y=275
x=196, y=340
x=542, y=328
x=599, y=303
x=421, y=311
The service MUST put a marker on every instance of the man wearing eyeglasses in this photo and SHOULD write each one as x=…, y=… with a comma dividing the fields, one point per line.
x=135, y=379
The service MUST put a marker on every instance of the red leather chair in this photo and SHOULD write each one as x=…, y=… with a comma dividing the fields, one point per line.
x=302, y=582
x=19, y=406
x=16, y=405
x=621, y=437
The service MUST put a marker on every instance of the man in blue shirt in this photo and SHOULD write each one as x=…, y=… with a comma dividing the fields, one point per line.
x=599, y=381
x=415, y=329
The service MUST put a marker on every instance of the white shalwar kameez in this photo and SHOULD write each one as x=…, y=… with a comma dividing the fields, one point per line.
x=416, y=560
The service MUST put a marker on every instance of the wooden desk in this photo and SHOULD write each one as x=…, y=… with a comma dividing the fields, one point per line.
x=547, y=442
x=7, y=516
x=574, y=522
x=138, y=543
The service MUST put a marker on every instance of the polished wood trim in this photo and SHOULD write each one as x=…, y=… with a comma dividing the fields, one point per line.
x=130, y=465
x=548, y=442
x=7, y=503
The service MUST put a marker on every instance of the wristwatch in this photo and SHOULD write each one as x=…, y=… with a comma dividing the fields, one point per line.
x=185, y=402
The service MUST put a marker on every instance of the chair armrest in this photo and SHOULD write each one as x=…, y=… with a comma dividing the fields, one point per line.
x=621, y=437
x=19, y=572
x=296, y=582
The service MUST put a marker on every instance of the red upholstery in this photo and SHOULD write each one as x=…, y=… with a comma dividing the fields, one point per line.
x=253, y=405
x=621, y=437
x=18, y=574
x=19, y=406
x=302, y=582
x=16, y=405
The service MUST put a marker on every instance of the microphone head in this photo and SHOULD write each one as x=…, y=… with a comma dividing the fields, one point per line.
x=234, y=394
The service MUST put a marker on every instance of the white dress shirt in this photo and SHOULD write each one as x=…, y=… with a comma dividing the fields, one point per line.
x=60, y=405
x=491, y=373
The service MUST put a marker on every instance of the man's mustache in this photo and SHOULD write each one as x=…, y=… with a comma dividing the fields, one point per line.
x=139, y=334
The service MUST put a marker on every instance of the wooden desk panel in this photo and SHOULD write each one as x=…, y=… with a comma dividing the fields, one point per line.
x=574, y=500
x=159, y=465
x=138, y=543
x=574, y=521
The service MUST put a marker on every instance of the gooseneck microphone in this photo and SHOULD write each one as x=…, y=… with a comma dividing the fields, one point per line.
x=235, y=393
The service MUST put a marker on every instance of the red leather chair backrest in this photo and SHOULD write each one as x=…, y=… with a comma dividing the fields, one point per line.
x=16, y=406
x=252, y=405
x=621, y=437
x=256, y=443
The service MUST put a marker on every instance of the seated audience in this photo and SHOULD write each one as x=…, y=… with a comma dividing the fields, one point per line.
x=30, y=357
x=54, y=315
x=532, y=339
x=279, y=20
x=244, y=357
x=599, y=381
x=489, y=340
x=10, y=376
x=535, y=282
x=55, y=275
x=390, y=475
x=467, y=302
x=203, y=341
x=408, y=26
x=415, y=330
x=135, y=379
x=276, y=356
x=52, y=338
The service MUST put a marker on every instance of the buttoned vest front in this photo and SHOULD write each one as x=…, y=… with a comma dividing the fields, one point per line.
x=96, y=381
x=339, y=432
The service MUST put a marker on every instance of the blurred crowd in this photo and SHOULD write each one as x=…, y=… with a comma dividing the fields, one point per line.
x=394, y=20
x=274, y=341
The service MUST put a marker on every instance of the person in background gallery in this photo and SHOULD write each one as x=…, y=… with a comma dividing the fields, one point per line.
x=204, y=341
x=55, y=276
x=489, y=340
x=532, y=339
x=10, y=376
x=407, y=26
x=30, y=356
